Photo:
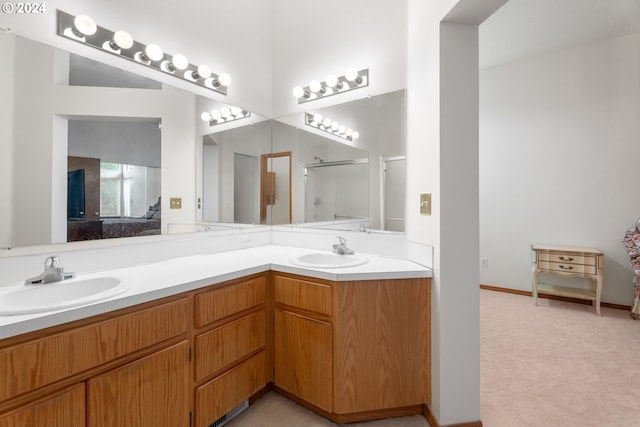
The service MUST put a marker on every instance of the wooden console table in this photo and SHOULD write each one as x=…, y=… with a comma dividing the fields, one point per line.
x=568, y=261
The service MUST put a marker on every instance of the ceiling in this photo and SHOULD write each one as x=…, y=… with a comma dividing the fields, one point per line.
x=529, y=28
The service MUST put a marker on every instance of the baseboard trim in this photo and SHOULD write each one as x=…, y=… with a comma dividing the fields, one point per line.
x=434, y=423
x=554, y=297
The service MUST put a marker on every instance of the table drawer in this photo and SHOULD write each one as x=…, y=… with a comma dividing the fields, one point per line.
x=565, y=258
x=565, y=267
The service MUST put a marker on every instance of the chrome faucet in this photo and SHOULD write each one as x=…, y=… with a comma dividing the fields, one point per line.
x=53, y=272
x=341, y=248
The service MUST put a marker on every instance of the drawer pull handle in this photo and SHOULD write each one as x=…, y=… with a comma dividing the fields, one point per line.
x=563, y=258
x=564, y=267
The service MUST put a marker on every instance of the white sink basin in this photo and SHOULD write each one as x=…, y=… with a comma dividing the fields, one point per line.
x=322, y=260
x=28, y=299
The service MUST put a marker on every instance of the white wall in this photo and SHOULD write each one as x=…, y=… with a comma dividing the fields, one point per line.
x=558, y=164
x=442, y=159
x=312, y=40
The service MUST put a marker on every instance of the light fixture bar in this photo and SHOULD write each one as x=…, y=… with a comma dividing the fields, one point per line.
x=225, y=115
x=121, y=44
x=332, y=85
x=325, y=124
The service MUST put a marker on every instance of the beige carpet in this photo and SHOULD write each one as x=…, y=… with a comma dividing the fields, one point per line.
x=557, y=364
x=554, y=365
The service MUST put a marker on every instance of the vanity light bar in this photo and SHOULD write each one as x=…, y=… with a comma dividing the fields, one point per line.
x=332, y=85
x=83, y=29
x=224, y=115
x=330, y=126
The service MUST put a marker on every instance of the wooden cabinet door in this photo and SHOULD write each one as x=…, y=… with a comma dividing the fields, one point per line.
x=152, y=391
x=303, y=357
x=63, y=409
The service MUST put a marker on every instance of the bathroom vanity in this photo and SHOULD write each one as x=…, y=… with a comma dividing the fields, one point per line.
x=351, y=344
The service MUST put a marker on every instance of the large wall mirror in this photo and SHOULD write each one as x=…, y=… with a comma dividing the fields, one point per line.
x=89, y=149
x=95, y=152
x=287, y=171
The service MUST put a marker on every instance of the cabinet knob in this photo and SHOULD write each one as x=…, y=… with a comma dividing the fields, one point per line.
x=565, y=267
x=565, y=258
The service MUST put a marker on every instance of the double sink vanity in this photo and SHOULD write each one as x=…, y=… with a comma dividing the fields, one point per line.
x=190, y=341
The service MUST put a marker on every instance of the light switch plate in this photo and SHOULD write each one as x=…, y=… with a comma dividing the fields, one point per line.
x=175, y=203
x=425, y=204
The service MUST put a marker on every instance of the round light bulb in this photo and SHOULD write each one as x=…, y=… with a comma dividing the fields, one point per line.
x=335, y=126
x=205, y=116
x=315, y=86
x=122, y=39
x=298, y=92
x=317, y=118
x=331, y=80
x=180, y=62
x=236, y=111
x=348, y=132
x=355, y=136
x=225, y=112
x=351, y=74
x=326, y=122
x=204, y=71
x=154, y=52
x=224, y=79
x=85, y=25
x=341, y=129
x=216, y=115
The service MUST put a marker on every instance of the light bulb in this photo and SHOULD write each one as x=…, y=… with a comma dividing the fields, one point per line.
x=205, y=116
x=348, y=132
x=225, y=112
x=341, y=129
x=315, y=86
x=298, y=92
x=236, y=111
x=224, y=79
x=331, y=80
x=326, y=122
x=215, y=115
x=351, y=74
x=317, y=118
x=154, y=52
x=179, y=62
x=203, y=71
x=85, y=25
x=335, y=126
x=122, y=39
x=355, y=136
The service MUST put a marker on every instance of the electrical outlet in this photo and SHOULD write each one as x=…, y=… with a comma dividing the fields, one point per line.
x=175, y=203
x=484, y=262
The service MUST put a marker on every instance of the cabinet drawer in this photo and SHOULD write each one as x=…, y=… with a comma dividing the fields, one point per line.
x=223, y=346
x=63, y=409
x=302, y=294
x=567, y=258
x=222, y=302
x=220, y=395
x=52, y=358
x=567, y=268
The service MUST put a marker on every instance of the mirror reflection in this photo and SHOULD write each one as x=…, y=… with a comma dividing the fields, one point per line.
x=285, y=171
x=92, y=150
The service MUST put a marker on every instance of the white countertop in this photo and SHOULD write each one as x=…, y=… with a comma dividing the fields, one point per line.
x=158, y=280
